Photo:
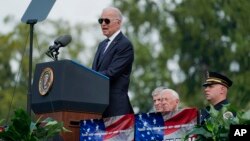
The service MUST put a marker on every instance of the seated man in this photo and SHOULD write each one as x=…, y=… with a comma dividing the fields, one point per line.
x=170, y=102
x=157, y=99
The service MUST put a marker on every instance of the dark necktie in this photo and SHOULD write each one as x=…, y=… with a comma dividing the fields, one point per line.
x=105, y=45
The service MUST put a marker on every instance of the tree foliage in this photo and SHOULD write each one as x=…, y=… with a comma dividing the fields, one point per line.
x=176, y=42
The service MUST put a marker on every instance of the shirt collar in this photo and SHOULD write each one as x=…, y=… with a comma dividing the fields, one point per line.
x=219, y=105
x=111, y=38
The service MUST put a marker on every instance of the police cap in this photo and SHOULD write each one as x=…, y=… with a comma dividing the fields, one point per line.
x=217, y=78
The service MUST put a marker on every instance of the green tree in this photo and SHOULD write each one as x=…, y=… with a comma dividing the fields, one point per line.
x=175, y=43
x=183, y=39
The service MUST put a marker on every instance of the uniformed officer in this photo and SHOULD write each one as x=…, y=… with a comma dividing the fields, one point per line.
x=215, y=90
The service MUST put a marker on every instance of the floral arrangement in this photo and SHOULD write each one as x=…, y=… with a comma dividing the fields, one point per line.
x=22, y=128
x=217, y=127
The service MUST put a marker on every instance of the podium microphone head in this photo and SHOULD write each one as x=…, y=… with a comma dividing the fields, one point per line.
x=63, y=40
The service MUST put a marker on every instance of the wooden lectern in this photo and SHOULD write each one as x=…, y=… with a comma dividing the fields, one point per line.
x=68, y=92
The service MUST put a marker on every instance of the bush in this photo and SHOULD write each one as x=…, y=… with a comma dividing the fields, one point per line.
x=22, y=128
x=217, y=127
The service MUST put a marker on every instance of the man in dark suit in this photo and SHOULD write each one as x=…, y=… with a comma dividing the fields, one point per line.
x=114, y=59
x=215, y=89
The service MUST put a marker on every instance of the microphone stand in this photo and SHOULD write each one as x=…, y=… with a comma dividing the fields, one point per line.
x=56, y=54
x=53, y=54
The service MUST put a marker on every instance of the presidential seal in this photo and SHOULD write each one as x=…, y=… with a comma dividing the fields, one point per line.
x=45, y=81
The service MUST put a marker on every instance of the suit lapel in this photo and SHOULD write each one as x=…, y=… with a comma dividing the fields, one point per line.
x=97, y=57
x=110, y=47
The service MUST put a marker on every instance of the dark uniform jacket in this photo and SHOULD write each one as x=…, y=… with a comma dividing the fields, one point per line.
x=204, y=113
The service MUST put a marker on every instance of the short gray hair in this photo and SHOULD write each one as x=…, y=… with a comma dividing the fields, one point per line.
x=157, y=90
x=173, y=92
x=116, y=10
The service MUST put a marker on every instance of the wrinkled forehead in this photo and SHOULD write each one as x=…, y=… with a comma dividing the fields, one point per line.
x=158, y=96
x=168, y=95
x=108, y=15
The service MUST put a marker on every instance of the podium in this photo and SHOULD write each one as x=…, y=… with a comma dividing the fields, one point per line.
x=69, y=92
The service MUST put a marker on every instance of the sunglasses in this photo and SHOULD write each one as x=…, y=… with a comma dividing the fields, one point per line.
x=107, y=21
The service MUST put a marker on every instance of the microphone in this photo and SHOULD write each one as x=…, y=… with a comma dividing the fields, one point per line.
x=61, y=41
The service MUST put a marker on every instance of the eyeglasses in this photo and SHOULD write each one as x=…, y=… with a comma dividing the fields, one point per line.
x=107, y=21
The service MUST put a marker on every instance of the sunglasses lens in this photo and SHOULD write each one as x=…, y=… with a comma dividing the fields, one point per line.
x=100, y=21
x=107, y=21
